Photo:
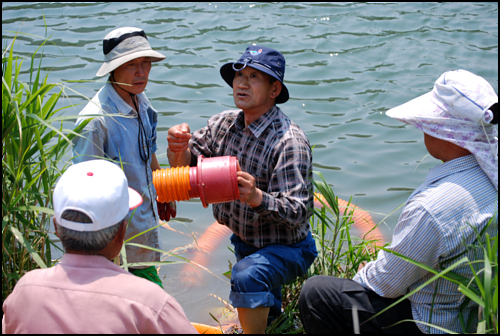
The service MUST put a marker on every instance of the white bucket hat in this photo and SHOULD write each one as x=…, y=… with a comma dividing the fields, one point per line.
x=99, y=189
x=458, y=110
x=123, y=45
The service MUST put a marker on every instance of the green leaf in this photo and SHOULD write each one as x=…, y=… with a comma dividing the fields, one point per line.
x=154, y=263
x=123, y=254
x=143, y=232
x=24, y=242
x=470, y=294
x=48, y=211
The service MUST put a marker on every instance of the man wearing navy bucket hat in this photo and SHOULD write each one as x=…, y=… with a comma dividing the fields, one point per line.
x=270, y=222
x=125, y=132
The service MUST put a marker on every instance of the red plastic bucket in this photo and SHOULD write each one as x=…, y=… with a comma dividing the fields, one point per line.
x=214, y=180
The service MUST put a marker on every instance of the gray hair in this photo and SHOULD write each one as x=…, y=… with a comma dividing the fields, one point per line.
x=88, y=242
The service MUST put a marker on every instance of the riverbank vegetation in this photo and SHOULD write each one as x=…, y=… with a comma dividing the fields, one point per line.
x=339, y=253
x=34, y=143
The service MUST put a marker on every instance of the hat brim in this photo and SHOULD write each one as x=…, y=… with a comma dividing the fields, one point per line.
x=134, y=199
x=107, y=67
x=227, y=73
x=417, y=109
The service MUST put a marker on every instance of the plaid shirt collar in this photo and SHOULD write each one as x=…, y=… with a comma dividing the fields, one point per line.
x=259, y=125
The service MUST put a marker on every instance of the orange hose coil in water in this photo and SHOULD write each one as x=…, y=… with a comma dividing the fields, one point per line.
x=216, y=233
x=172, y=184
x=362, y=220
x=207, y=243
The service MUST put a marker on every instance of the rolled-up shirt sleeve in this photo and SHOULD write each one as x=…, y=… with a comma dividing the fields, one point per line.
x=416, y=236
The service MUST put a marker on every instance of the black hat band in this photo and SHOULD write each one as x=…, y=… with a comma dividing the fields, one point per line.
x=111, y=43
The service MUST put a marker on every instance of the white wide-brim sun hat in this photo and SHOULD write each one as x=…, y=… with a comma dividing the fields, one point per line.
x=123, y=45
x=457, y=110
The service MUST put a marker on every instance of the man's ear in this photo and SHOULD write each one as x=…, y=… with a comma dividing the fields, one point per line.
x=276, y=89
x=55, y=227
x=121, y=232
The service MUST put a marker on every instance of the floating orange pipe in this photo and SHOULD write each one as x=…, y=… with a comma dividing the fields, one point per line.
x=213, y=236
x=216, y=233
x=362, y=219
x=213, y=180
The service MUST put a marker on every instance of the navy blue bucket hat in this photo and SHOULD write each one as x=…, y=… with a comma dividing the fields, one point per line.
x=264, y=59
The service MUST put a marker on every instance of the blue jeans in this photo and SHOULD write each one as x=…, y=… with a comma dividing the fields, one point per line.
x=257, y=277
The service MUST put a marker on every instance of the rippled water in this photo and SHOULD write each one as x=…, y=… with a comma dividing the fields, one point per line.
x=346, y=65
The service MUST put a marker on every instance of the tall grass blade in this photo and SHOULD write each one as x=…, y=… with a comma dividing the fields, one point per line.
x=25, y=242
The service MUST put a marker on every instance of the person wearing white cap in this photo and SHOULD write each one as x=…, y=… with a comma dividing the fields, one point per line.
x=125, y=132
x=86, y=292
x=439, y=223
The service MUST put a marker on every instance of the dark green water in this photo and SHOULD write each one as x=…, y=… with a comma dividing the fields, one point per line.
x=346, y=65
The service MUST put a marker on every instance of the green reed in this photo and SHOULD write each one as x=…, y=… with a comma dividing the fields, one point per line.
x=482, y=287
x=32, y=155
x=339, y=254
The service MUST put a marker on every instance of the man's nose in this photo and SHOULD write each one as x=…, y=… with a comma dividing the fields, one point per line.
x=140, y=70
x=243, y=80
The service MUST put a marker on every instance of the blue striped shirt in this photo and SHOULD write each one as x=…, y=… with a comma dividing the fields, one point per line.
x=436, y=225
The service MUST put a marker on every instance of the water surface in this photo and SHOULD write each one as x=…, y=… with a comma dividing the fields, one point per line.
x=347, y=63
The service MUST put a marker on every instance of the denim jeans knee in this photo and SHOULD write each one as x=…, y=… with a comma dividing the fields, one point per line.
x=259, y=272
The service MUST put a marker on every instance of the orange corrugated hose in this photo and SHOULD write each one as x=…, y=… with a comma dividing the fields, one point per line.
x=172, y=184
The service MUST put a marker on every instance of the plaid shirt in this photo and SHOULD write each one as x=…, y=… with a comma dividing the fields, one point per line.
x=276, y=152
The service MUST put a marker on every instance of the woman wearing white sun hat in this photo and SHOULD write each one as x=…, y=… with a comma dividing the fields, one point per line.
x=438, y=225
x=125, y=132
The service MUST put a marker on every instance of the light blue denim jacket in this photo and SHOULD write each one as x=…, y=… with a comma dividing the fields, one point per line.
x=115, y=136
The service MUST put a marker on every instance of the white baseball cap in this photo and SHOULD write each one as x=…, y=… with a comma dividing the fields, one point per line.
x=123, y=45
x=97, y=188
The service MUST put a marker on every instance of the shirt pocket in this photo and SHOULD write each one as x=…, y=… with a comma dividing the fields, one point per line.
x=262, y=177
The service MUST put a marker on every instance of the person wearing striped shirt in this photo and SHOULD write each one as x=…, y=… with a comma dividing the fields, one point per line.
x=438, y=224
x=270, y=223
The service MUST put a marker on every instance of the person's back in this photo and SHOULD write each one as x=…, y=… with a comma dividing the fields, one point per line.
x=90, y=294
x=86, y=292
x=456, y=202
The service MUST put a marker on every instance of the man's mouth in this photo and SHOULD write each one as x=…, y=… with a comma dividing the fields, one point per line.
x=241, y=94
